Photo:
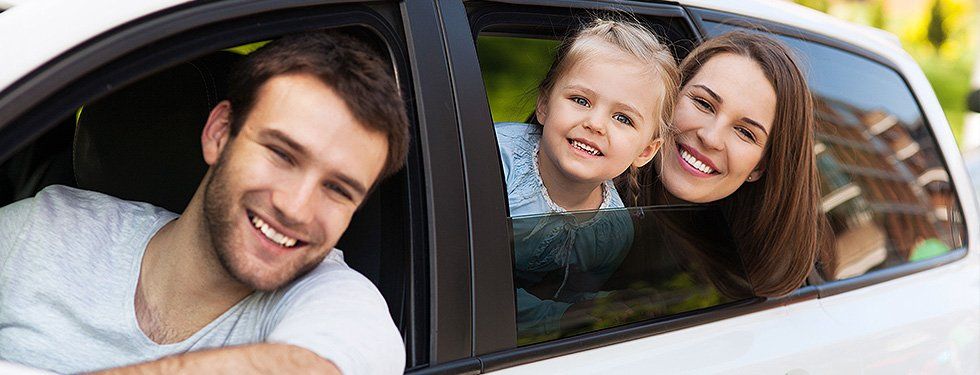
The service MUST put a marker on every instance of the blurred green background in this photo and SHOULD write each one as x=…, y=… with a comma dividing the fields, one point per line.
x=939, y=34
x=512, y=68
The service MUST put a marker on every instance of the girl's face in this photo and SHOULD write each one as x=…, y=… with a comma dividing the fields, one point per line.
x=599, y=118
x=723, y=119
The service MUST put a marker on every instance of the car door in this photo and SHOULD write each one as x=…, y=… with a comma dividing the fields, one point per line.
x=903, y=292
x=800, y=333
x=126, y=49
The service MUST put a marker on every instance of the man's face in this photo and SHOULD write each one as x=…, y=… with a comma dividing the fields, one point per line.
x=283, y=190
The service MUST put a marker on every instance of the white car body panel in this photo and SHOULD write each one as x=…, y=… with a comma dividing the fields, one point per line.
x=927, y=322
x=36, y=32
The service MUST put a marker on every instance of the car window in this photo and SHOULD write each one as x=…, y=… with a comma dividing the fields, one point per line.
x=884, y=185
x=142, y=142
x=584, y=271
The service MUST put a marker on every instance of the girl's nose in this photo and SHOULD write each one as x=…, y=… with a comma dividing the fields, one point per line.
x=595, y=124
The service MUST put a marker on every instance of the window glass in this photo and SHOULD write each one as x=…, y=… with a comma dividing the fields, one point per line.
x=884, y=184
x=578, y=272
x=589, y=270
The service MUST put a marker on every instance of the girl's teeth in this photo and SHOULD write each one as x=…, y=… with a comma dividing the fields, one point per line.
x=585, y=147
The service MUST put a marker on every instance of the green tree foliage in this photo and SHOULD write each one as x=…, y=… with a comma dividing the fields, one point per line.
x=937, y=33
x=821, y=5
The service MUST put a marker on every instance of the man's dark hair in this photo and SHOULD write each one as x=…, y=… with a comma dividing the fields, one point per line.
x=347, y=65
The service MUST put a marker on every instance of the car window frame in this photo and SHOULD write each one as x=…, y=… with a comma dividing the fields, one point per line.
x=37, y=102
x=830, y=288
x=492, y=284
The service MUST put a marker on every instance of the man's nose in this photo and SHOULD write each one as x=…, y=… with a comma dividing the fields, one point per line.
x=295, y=199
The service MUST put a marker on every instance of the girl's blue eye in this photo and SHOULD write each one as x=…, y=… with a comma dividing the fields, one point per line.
x=581, y=101
x=623, y=119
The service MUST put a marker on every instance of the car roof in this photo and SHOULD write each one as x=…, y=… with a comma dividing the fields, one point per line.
x=37, y=31
x=798, y=16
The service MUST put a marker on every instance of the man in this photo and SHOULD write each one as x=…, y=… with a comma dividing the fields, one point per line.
x=90, y=282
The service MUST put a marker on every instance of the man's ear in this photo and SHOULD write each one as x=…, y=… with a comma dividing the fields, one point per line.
x=216, y=132
x=541, y=109
x=648, y=153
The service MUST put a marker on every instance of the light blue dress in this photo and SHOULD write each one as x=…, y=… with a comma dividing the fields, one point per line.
x=563, y=257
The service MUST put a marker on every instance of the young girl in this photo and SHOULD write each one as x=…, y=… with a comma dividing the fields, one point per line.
x=603, y=111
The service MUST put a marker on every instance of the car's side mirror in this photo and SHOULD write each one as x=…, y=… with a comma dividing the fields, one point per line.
x=973, y=100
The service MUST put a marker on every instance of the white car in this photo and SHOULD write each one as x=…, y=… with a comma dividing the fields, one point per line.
x=110, y=96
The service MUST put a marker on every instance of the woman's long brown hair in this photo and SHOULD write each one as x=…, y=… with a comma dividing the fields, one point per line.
x=776, y=221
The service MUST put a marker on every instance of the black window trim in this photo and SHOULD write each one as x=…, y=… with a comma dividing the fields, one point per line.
x=827, y=289
x=35, y=103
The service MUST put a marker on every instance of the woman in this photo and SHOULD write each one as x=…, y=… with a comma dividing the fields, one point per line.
x=744, y=140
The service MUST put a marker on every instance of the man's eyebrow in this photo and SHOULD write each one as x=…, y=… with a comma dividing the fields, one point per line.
x=712, y=93
x=358, y=188
x=282, y=137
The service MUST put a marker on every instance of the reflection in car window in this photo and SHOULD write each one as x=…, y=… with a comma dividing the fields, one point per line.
x=652, y=262
x=885, y=188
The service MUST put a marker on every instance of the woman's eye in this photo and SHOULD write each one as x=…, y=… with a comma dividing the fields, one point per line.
x=623, y=119
x=746, y=133
x=581, y=101
x=703, y=104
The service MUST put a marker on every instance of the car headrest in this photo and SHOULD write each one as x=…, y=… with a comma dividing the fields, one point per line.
x=143, y=142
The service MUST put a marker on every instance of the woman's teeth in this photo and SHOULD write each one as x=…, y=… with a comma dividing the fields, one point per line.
x=271, y=234
x=694, y=162
x=586, y=148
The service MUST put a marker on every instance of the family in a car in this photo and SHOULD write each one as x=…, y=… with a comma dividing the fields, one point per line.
x=246, y=278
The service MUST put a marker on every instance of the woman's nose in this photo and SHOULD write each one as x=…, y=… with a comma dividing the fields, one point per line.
x=712, y=135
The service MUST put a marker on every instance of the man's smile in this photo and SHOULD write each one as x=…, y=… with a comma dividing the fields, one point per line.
x=272, y=234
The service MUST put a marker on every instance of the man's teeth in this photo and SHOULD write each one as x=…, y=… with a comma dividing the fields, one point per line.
x=271, y=234
x=694, y=162
x=586, y=148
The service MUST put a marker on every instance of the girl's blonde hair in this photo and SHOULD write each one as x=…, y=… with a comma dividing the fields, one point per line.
x=636, y=41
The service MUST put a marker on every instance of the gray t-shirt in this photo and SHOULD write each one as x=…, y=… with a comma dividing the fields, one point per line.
x=69, y=263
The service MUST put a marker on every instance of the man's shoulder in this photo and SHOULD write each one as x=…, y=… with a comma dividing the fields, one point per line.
x=68, y=203
x=340, y=315
x=334, y=270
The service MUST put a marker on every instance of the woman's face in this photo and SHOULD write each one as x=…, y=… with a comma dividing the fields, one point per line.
x=723, y=119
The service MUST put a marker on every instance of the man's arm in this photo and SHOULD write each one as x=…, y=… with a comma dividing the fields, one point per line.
x=262, y=358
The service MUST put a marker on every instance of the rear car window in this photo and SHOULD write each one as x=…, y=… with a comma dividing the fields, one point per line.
x=885, y=186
